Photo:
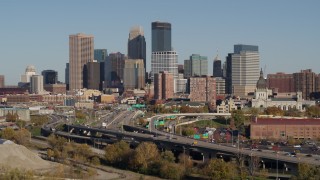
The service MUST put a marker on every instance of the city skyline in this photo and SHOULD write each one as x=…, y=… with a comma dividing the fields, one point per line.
x=34, y=33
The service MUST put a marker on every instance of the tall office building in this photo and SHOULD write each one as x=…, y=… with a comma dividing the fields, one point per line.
x=245, y=69
x=217, y=69
x=2, y=84
x=30, y=71
x=134, y=73
x=196, y=66
x=114, y=66
x=161, y=36
x=81, y=51
x=50, y=77
x=66, y=76
x=163, y=58
x=137, y=44
x=228, y=72
x=163, y=85
x=91, y=75
x=36, y=84
x=100, y=55
x=164, y=61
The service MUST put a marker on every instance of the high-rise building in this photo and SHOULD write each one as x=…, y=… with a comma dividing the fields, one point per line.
x=114, y=66
x=163, y=85
x=91, y=75
x=161, y=36
x=100, y=55
x=164, y=61
x=245, y=69
x=304, y=81
x=81, y=51
x=228, y=72
x=36, y=84
x=196, y=66
x=30, y=71
x=137, y=44
x=50, y=76
x=281, y=82
x=217, y=69
x=66, y=77
x=220, y=86
x=134, y=74
x=180, y=68
x=203, y=89
x=2, y=84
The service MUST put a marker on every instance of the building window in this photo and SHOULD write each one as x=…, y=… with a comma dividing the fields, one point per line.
x=282, y=133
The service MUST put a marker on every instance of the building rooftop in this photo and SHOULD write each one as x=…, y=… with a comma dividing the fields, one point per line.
x=285, y=121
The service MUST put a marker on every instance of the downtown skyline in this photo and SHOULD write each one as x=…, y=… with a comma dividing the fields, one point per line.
x=36, y=33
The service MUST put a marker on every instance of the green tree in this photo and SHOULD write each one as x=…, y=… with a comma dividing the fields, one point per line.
x=39, y=120
x=144, y=155
x=57, y=142
x=168, y=156
x=218, y=169
x=238, y=117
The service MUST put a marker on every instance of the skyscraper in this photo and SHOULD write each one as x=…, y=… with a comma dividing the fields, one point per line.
x=134, y=74
x=80, y=52
x=66, y=77
x=217, y=70
x=2, y=81
x=163, y=58
x=114, y=66
x=304, y=81
x=196, y=66
x=245, y=69
x=137, y=44
x=36, y=84
x=161, y=36
x=100, y=55
x=91, y=75
x=50, y=76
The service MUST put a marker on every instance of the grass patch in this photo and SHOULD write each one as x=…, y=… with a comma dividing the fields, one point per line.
x=209, y=123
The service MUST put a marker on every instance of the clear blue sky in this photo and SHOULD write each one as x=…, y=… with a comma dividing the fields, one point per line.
x=36, y=31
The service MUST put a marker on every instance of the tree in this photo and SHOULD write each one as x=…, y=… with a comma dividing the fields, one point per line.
x=8, y=133
x=238, y=117
x=22, y=136
x=118, y=153
x=39, y=120
x=218, y=169
x=144, y=155
x=171, y=171
x=168, y=156
x=57, y=142
x=313, y=111
x=275, y=111
x=307, y=171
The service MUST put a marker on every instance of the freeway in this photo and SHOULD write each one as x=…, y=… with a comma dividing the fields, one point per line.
x=201, y=144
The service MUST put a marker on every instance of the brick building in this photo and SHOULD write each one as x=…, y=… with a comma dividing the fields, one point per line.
x=281, y=128
x=163, y=85
x=281, y=81
x=203, y=89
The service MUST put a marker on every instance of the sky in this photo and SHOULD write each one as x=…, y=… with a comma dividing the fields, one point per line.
x=36, y=32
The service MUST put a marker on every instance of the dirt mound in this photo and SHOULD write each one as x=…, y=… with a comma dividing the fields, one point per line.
x=17, y=156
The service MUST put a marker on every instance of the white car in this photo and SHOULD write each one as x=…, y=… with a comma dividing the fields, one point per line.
x=297, y=146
